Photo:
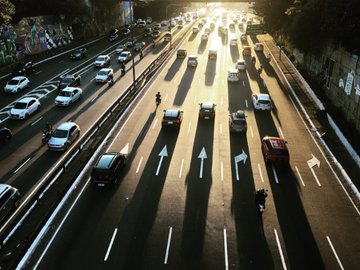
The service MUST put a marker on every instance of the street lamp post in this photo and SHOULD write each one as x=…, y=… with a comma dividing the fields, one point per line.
x=166, y=15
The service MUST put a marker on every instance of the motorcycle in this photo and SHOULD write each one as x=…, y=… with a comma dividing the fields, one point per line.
x=260, y=69
x=122, y=71
x=110, y=81
x=268, y=58
x=46, y=135
x=260, y=197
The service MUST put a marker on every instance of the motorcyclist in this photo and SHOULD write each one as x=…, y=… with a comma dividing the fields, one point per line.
x=110, y=80
x=141, y=54
x=158, y=98
x=48, y=128
x=260, y=196
x=253, y=60
x=153, y=43
x=260, y=69
x=122, y=68
x=268, y=57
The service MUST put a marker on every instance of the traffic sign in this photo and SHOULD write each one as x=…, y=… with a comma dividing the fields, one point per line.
x=256, y=29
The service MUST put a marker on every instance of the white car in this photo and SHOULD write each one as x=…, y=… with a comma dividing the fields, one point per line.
x=172, y=23
x=67, y=96
x=164, y=23
x=104, y=75
x=141, y=24
x=259, y=47
x=240, y=64
x=233, y=42
x=157, y=26
x=233, y=75
x=156, y=33
x=102, y=61
x=17, y=84
x=63, y=136
x=204, y=37
x=24, y=107
x=120, y=49
x=261, y=101
x=124, y=57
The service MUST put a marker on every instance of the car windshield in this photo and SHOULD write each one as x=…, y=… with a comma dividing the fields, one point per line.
x=20, y=105
x=101, y=58
x=60, y=133
x=67, y=80
x=13, y=82
x=123, y=55
x=65, y=94
x=279, y=152
x=262, y=101
x=102, y=72
x=78, y=51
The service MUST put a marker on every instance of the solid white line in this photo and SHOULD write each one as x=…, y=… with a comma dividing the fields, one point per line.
x=275, y=175
x=22, y=165
x=33, y=123
x=243, y=83
x=38, y=72
x=138, y=167
x=297, y=170
x=94, y=99
x=280, y=250
x=261, y=176
x=222, y=171
x=188, y=131
x=220, y=128
x=246, y=103
x=251, y=132
x=110, y=245
x=315, y=176
x=334, y=251
x=226, y=251
x=281, y=133
x=155, y=123
x=181, y=168
x=168, y=246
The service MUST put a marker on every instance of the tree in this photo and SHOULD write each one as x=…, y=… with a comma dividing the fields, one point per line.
x=7, y=9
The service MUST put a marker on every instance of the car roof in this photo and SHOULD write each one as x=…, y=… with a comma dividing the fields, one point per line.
x=105, y=69
x=70, y=89
x=105, y=160
x=192, y=56
x=276, y=142
x=26, y=99
x=239, y=114
x=4, y=187
x=103, y=55
x=233, y=70
x=207, y=105
x=263, y=96
x=171, y=112
x=18, y=78
x=241, y=61
x=66, y=125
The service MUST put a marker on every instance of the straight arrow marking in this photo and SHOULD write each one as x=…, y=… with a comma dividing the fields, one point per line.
x=202, y=156
x=162, y=154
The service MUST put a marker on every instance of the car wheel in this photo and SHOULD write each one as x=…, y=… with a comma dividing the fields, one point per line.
x=66, y=147
x=26, y=115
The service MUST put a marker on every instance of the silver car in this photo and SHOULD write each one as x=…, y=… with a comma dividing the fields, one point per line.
x=17, y=84
x=63, y=136
x=9, y=200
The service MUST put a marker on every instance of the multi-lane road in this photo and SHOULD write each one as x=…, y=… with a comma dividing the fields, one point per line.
x=175, y=210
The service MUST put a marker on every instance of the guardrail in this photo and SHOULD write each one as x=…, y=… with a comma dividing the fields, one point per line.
x=48, y=181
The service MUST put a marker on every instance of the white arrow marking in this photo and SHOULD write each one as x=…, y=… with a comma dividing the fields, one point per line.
x=311, y=163
x=125, y=150
x=162, y=154
x=202, y=156
x=242, y=157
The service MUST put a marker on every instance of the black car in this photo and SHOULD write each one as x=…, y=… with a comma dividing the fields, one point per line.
x=23, y=68
x=114, y=34
x=69, y=80
x=5, y=135
x=107, y=169
x=78, y=54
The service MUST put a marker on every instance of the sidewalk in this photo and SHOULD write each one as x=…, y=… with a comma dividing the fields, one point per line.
x=318, y=117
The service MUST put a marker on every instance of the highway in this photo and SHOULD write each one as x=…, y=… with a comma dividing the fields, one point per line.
x=174, y=210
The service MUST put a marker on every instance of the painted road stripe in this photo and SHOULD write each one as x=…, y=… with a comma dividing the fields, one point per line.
x=222, y=171
x=110, y=245
x=188, y=131
x=275, y=175
x=168, y=246
x=261, y=176
x=334, y=251
x=138, y=167
x=297, y=170
x=280, y=250
x=154, y=123
x=226, y=251
x=36, y=121
x=251, y=132
x=181, y=168
x=22, y=165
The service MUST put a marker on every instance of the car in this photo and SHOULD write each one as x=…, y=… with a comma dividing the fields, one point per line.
x=172, y=118
x=156, y=33
x=195, y=30
x=207, y=110
x=139, y=46
x=17, y=84
x=241, y=26
x=246, y=51
x=114, y=34
x=231, y=26
x=120, y=49
x=24, y=107
x=259, y=47
x=172, y=23
x=212, y=26
x=181, y=53
x=104, y=75
x=148, y=20
x=5, y=135
x=23, y=68
x=78, y=54
x=207, y=31
x=212, y=54
x=141, y=24
x=204, y=37
x=125, y=32
x=225, y=31
x=200, y=25
x=164, y=23
x=107, y=168
x=157, y=26
x=220, y=29
x=233, y=75
x=240, y=64
x=262, y=101
x=124, y=57
x=275, y=150
x=67, y=96
x=102, y=61
x=63, y=136
x=148, y=32
x=192, y=61
x=167, y=36
x=233, y=42
x=129, y=43
x=243, y=37
x=69, y=80
x=9, y=200
x=237, y=121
